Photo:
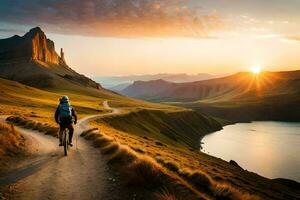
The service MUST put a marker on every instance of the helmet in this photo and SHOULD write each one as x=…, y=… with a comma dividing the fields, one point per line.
x=64, y=99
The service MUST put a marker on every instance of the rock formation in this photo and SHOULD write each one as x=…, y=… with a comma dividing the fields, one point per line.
x=62, y=55
x=32, y=60
x=34, y=45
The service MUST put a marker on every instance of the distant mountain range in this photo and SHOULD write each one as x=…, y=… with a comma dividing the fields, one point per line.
x=118, y=83
x=269, y=95
x=31, y=59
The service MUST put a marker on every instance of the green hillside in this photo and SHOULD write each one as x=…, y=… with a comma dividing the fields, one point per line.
x=278, y=107
x=176, y=128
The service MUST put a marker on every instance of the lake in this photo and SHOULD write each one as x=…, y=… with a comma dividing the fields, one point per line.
x=271, y=149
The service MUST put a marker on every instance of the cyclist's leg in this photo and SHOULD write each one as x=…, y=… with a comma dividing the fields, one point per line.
x=71, y=131
x=60, y=133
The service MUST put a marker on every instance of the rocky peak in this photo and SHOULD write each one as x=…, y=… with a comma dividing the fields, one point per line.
x=33, y=32
x=34, y=45
x=62, y=55
x=32, y=60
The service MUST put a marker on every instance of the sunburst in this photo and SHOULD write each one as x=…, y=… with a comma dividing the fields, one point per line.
x=256, y=69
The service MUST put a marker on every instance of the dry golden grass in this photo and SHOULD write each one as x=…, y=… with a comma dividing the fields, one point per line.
x=122, y=157
x=202, y=172
x=160, y=177
x=88, y=131
x=200, y=180
x=110, y=148
x=37, y=126
x=227, y=192
x=138, y=170
x=167, y=195
x=11, y=143
x=144, y=172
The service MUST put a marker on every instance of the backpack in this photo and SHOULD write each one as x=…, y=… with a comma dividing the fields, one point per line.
x=65, y=111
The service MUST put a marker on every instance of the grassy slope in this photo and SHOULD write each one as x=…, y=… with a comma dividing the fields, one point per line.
x=182, y=160
x=40, y=105
x=167, y=123
x=280, y=108
x=157, y=179
x=176, y=128
x=26, y=101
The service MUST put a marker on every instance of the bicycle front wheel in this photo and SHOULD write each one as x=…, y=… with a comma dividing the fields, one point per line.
x=65, y=142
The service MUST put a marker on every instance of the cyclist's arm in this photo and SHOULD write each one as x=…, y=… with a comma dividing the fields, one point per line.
x=74, y=115
x=56, y=115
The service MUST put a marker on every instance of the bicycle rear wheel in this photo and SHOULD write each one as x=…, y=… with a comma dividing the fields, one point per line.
x=65, y=142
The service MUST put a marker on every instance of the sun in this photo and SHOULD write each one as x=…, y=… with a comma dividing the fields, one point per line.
x=256, y=69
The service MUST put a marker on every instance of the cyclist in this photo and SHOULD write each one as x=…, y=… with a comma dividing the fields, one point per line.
x=65, y=115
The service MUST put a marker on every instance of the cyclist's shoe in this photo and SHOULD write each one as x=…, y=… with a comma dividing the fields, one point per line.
x=71, y=144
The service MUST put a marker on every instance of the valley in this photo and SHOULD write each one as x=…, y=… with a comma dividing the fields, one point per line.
x=240, y=97
x=155, y=144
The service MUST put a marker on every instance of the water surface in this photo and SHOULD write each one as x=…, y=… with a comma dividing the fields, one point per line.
x=271, y=149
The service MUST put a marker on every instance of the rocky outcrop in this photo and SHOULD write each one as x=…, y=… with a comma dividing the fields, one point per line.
x=234, y=163
x=32, y=60
x=62, y=56
x=34, y=45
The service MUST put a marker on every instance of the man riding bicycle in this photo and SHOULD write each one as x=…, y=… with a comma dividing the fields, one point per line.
x=65, y=115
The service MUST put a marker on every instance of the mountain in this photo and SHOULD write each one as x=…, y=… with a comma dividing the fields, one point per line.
x=269, y=95
x=237, y=86
x=31, y=59
x=112, y=82
x=34, y=45
x=182, y=78
x=147, y=90
x=119, y=87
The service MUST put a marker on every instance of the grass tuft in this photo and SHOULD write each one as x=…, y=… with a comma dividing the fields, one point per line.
x=123, y=156
x=198, y=179
x=167, y=195
x=101, y=141
x=144, y=172
x=92, y=135
x=172, y=166
x=84, y=133
x=110, y=148
x=29, y=124
x=227, y=192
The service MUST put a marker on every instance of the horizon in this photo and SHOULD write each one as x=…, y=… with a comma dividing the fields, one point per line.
x=189, y=74
x=175, y=37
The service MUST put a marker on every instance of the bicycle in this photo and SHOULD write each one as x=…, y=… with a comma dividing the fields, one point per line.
x=65, y=140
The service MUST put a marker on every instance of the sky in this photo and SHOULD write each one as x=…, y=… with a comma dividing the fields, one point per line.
x=126, y=37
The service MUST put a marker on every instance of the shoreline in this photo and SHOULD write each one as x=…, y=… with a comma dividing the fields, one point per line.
x=278, y=179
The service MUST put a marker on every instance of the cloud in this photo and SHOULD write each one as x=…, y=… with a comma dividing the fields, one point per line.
x=113, y=18
x=11, y=30
x=295, y=38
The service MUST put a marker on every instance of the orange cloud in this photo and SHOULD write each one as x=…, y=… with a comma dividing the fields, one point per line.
x=113, y=18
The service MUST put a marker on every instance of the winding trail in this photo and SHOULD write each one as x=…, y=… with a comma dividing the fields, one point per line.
x=50, y=175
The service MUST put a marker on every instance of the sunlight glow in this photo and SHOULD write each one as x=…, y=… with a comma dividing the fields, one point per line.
x=256, y=69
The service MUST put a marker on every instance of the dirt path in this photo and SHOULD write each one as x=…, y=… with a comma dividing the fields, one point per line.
x=49, y=175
